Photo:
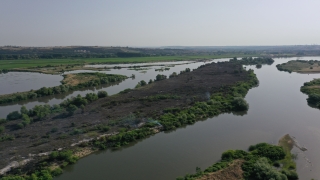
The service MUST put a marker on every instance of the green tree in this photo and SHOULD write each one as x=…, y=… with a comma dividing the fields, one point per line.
x=23, y=110
x=71, y=109
x=13, y=115
x=41, y=111
x=25, y=119
x=143, y=83
x=1, y=129
x=102, y=94
x=239, y=104
x=91, y=97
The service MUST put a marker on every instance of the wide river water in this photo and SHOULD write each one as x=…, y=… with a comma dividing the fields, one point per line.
x=277, y=107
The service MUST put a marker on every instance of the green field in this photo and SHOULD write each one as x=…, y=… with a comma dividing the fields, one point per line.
x=10, y=64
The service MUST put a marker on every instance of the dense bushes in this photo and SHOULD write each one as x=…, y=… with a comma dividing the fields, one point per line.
x=66, y=156
x=14, y=115
x=102, y=94
x=239, y=104
x=160, y=77
x=313, y=91
x=141, y=83
x=123, y=138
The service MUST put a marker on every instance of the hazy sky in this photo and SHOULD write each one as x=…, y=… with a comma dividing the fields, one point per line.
x=159, y=22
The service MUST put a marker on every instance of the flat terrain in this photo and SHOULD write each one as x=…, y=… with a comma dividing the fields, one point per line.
x=33, y=63
x=146, y=102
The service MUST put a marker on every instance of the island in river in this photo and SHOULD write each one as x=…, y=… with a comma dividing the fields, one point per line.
x=300, y=66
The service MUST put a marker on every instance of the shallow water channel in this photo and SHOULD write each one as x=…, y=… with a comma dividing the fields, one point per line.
x=277, y=107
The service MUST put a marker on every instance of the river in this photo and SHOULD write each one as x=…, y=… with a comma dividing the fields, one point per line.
x=277, y=107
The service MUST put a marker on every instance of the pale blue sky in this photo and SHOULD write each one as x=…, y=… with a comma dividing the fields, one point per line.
x=159, y=23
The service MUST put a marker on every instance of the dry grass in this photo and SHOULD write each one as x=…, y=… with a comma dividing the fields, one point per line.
x=75, y=79
x=232, y=172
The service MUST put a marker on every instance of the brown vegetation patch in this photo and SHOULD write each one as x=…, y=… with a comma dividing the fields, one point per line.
x=75, y=79
x=232, y=172
x=83, y=152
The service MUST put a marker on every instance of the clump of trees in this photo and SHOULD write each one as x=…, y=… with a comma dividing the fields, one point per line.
x=174, y=74
x=253, y=61
x=186, y=70
x=102, y=94
x=160, y=77
x=141, y=83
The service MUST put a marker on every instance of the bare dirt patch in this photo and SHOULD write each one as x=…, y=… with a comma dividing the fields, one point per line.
x=232, y=172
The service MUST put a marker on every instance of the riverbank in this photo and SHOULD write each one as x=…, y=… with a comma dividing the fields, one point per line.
x=178, y=96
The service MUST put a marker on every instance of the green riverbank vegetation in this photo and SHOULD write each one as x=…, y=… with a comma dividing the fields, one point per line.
x=71, y=82
x=312, y=89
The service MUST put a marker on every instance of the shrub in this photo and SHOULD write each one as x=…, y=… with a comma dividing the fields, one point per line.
x=291, y=175
x=23, y=110
x=1, y=129
x=143, y=83
x=239, y=104
x=91, y=97
x=102, y=94
x=71, y=109
x=263, y=170
x=313, y=98
x=2, y=121
x=56, y=172
x=160, y=77
x=13, y=115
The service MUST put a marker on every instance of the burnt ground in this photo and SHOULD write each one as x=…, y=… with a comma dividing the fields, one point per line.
x=187, y=88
